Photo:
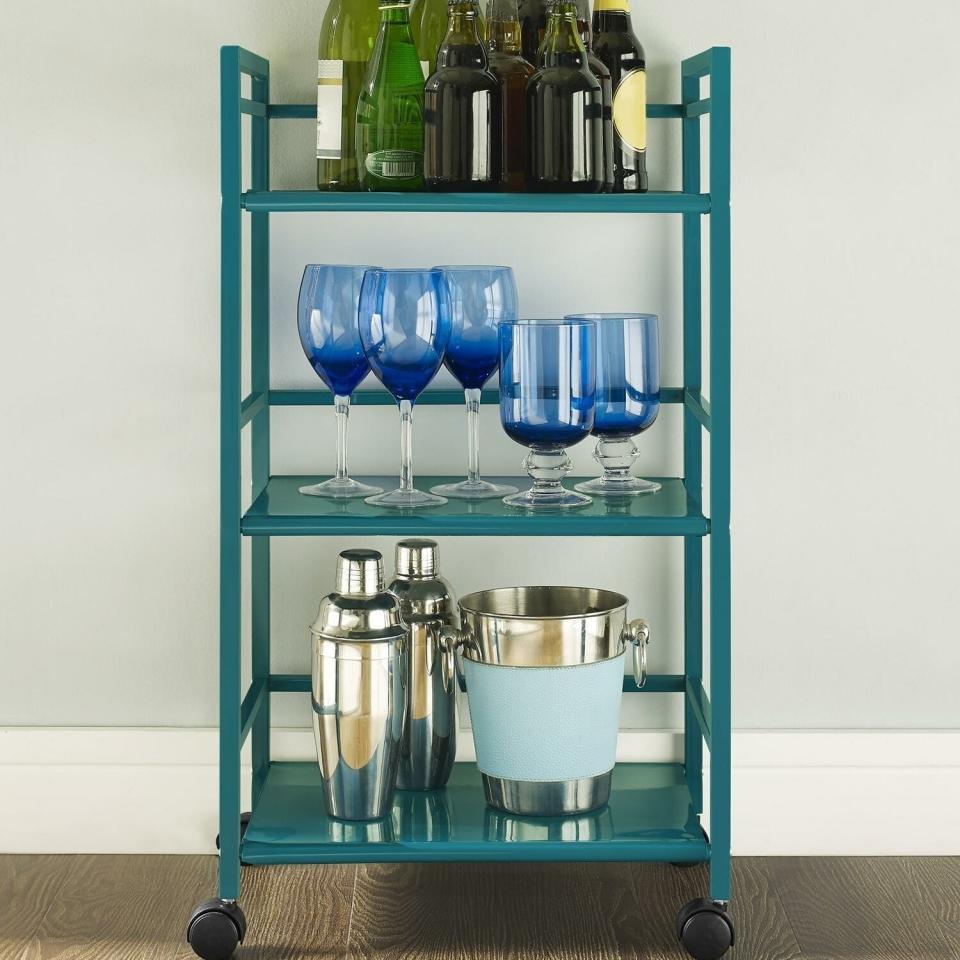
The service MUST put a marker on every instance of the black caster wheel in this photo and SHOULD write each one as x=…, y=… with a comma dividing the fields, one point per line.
x=244, y=823
x=705, y=929
x=215, y=929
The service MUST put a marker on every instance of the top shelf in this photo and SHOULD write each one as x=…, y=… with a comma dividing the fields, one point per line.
x=294, y=201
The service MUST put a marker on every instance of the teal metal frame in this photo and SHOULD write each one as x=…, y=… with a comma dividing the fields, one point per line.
x=247, y=713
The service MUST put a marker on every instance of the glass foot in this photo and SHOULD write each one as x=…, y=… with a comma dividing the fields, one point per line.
x=340, y=489
x=473, y=490
x=554, y=498
x=410, y=499
x=629, y=486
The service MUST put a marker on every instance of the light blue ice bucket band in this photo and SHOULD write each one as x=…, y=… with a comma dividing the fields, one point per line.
x=545, y=723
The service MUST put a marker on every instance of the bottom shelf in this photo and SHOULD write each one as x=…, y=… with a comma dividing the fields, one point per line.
x=650, y=816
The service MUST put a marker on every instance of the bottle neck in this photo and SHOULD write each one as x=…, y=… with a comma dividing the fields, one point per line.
x=562, y=46
x=612, y=16
x=395, y=13
x=462, y=46
x=503, y=27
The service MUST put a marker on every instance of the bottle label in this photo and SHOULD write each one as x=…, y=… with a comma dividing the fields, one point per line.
x=394, y=164
x=630, y=110
x=329, y=108
x=622, y=5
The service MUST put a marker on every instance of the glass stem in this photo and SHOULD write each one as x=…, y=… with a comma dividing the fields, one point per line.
x=406, y=446
x=473, y=435
x=341, y=407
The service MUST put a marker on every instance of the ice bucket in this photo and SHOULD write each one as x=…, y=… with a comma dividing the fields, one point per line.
x=544, y=676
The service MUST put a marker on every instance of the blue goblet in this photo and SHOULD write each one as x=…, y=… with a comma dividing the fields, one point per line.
x=477, y=298
x=327, y=320
x=628, y=397
x=404, y=328
x=547, y=388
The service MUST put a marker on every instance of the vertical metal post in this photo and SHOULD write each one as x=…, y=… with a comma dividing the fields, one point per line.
x=720, y=759
x=692, y=444
x=230, y=386
x=260, y=429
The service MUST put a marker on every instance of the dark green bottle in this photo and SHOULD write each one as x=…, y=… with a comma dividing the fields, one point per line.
x=615, y=43
x=390, y=108
x=462, y=110
x=565, y=142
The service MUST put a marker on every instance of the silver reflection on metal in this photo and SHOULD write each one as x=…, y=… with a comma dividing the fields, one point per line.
x=359, y=642
x=547, y=798
x=427, y=605
x=549, y=627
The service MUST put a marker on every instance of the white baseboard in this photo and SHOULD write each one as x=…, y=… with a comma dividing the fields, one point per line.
x=125, y=790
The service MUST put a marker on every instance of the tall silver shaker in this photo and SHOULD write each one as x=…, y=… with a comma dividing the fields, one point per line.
x=358, y=698
x=427, y=604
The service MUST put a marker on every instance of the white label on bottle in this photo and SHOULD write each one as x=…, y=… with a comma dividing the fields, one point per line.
x=329, y=108
x=425, y=67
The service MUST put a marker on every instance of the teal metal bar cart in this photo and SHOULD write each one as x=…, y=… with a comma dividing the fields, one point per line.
x=655, y=809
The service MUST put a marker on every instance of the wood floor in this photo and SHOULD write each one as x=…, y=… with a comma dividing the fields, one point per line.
x=135, y=907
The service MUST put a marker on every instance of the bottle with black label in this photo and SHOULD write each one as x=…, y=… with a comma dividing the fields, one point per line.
x=346, y=39
x=616, y=45
x=390, y=107
x=513, y=71
x=462, y=110
x=564, y=151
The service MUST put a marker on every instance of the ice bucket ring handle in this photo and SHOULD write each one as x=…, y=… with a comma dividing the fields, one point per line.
x=638, y=634
x=451, y=642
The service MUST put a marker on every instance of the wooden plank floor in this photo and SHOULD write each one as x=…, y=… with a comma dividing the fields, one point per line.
x=134, y=908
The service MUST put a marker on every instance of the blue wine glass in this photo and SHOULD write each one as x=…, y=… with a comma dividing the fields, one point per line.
x=327, y=320
x=404, y=328
x=628, y=397
x=547, y=391
x=477, y=298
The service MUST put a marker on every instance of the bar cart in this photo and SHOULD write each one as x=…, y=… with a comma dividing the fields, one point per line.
x=655, y=809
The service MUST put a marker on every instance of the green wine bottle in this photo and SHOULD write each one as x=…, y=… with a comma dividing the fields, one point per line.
x=346, y=39
x=390, y=107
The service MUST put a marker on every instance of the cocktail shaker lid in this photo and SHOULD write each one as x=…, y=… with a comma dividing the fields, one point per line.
x=360, y=572
x=417, y=557
x=360, y=610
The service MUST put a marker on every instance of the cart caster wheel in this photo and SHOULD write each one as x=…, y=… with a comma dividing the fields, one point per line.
x=705, y=929
x=244, y=823
x=215, y=929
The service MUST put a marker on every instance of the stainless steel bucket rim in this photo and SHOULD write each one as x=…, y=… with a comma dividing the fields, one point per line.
x=620, y=603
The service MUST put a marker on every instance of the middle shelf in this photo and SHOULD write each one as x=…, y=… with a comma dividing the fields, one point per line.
x=281, y=510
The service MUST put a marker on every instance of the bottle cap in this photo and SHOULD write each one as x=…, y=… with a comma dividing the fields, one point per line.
x=416, y=558
x=359, y=572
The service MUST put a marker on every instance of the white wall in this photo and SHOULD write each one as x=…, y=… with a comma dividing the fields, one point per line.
x=845, y=343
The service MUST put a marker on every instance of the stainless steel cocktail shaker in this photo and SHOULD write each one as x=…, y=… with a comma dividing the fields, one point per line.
x=427, y=605
x=359, y=641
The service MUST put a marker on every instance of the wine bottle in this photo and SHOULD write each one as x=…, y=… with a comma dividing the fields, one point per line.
x=430, y=27
x=564, y=150
x=390, y=107
x=462, y=115
x=346, y=39
x=533, y=25
x=616, y=45
x=599, y=70
x=509, y=67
